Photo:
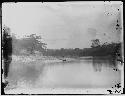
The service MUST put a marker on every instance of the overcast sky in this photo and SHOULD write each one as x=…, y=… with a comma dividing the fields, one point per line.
x=65, y=25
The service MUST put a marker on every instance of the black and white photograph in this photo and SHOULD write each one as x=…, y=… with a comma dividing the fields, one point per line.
x=62, y=47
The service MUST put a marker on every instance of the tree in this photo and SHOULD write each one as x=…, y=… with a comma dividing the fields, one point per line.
x=6, y=41
x=7, y=49
x=95, y=43
x=33, y=43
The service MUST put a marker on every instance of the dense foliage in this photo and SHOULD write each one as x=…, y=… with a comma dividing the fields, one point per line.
x=30, y=44
x=101, y=50
x=33, y=43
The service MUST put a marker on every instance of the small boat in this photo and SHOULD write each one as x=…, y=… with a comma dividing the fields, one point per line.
x=64, y=60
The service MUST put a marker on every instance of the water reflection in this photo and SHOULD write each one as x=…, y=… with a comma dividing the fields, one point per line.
x=79, y=73
x=26, y=73
x=108, y=62
x=97, y=64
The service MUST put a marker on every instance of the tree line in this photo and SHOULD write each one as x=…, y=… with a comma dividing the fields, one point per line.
x=30, y=43
x=110, y=49
x=33, y=42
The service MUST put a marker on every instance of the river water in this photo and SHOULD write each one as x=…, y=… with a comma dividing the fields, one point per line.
x=70, y=74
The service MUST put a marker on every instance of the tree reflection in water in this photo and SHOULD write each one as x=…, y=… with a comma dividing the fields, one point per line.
x=98, y=62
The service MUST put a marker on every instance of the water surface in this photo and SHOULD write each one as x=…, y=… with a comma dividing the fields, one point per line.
x=70, y=74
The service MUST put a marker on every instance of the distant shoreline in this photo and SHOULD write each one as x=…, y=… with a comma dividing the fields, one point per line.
x=54, y=59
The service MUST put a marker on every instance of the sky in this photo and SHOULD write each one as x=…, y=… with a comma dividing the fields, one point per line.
x=65, y=24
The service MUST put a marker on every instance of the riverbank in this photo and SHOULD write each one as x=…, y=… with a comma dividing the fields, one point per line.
x=44, y=59
x=52, y=59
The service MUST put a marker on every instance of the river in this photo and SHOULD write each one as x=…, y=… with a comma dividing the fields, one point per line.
x=70, y=74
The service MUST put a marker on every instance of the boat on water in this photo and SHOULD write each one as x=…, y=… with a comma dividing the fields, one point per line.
x=63, y=59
